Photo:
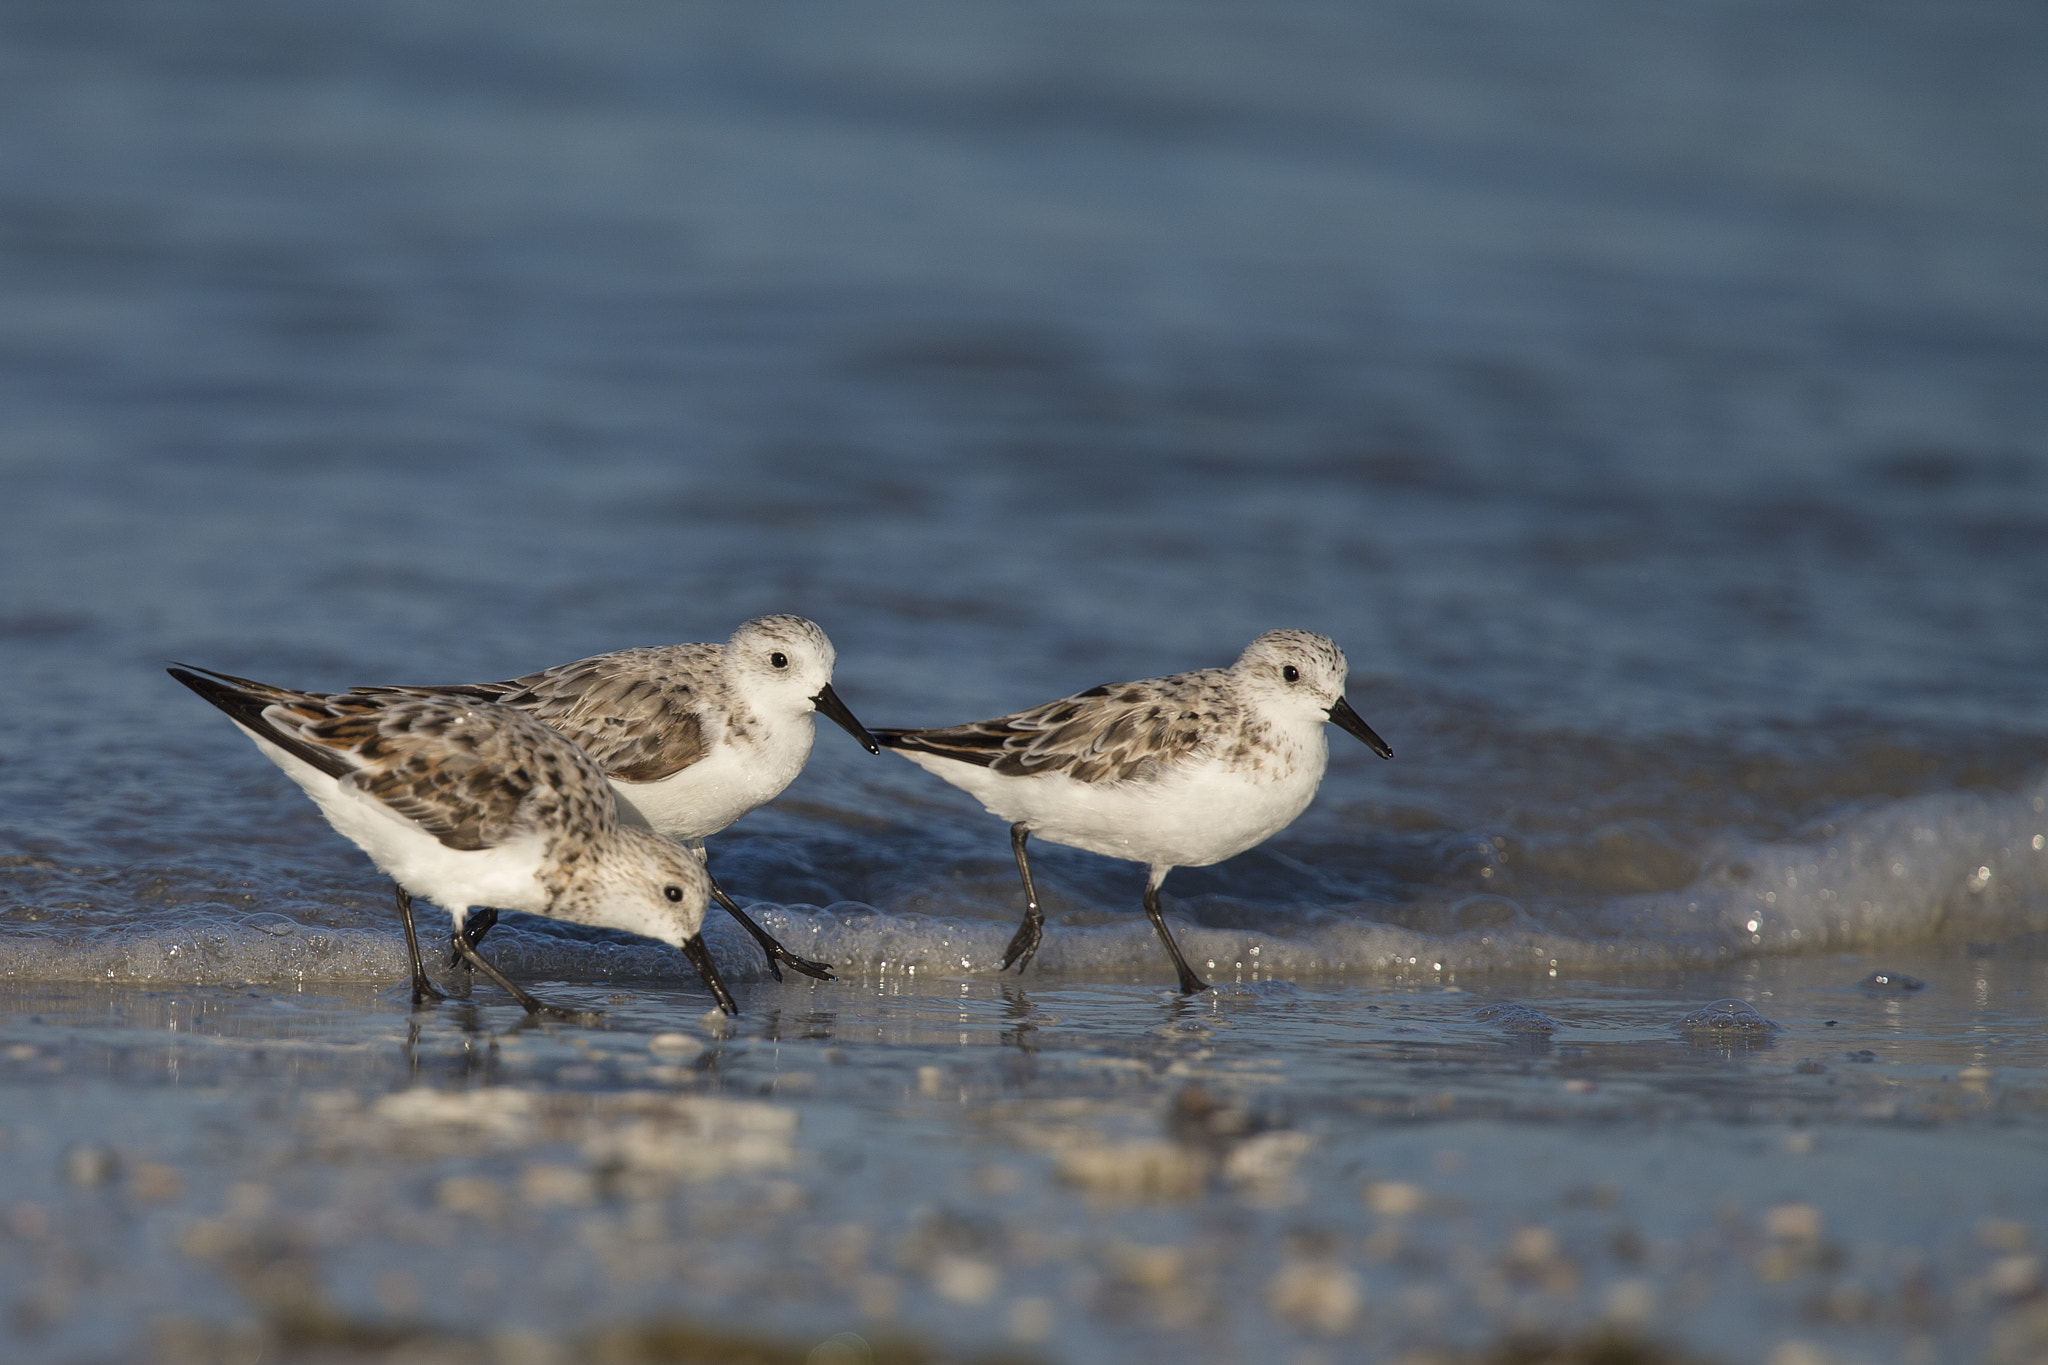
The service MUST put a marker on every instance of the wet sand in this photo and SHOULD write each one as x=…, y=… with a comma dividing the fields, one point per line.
x=1065, y=1170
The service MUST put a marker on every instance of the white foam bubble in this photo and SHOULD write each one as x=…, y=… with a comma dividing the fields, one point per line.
x=198, y=950
x=1950, y=861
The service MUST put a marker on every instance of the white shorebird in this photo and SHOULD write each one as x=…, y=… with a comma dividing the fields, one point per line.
x=1182, y=771
x=470, y=804
x=692, y=736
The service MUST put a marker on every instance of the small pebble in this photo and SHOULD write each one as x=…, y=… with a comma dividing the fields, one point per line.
x=1320, y=1295
x=468, y=1194
x=90, y=1167
x=1394, y=1198
x=546, y=1184
x=1792, y=1223
x=674, y=1045
x=1140, y=1170
x=2014, y=1277
x=1631, y=1303
x=964, y=1279
x=1150, y=1267
x=1532, y=1247
x=156, y=1183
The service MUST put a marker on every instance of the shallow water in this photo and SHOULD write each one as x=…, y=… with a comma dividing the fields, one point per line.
x=1054, y=1171
x=1649, y=403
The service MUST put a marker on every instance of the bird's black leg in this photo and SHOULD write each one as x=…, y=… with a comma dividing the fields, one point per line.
x=1025, y=941
x=472, y=932
x=775, y=951
x=421, y=987
x=1189, y=982
x=526, y=1001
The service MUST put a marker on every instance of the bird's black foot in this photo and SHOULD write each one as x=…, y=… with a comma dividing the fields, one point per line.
x=774, y=951
x=537, y=1008
x=1023, y=944
x=1025, y=941
x=821, y=971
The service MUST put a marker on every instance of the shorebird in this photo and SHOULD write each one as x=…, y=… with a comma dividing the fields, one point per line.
x=465, y=803
x=692, y=736
x=1182, y=771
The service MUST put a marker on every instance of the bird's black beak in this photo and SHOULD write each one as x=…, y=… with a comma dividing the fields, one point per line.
x=700, y=958
x=1342, y=716
x=828, y=702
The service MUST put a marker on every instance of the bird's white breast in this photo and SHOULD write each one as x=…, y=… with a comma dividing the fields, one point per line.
x=1201, y=814
x=734, y=777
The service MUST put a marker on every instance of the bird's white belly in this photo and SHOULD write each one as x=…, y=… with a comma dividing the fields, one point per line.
x=504, y=877
x=1189, y=820
x=716, y=790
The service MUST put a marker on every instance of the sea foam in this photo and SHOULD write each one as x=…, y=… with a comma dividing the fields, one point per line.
x=1963, y=864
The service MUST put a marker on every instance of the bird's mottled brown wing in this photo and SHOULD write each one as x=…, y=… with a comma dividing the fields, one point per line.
x=1128, y=732
x=635, y=711
x=472, y=774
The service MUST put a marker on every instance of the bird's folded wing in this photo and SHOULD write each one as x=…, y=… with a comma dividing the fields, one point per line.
x=472, y=781
x=1130, y=732
x=636, y=712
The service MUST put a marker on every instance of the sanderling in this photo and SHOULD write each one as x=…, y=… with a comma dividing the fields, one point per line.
x=469, y=804
x=691, y=736
x=1171, y=772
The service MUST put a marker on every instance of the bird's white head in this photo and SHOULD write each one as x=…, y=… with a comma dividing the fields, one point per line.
x=1297, y=674
x=1293, y=670
x=658, y=888
x=651, y=886
x=783, y=664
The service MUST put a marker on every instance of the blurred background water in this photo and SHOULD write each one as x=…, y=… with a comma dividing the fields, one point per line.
x=1651, y=401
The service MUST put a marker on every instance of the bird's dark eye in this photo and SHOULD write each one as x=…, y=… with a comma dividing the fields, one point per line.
x=779, y=659
x=1290, y=673
x=674, y=893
